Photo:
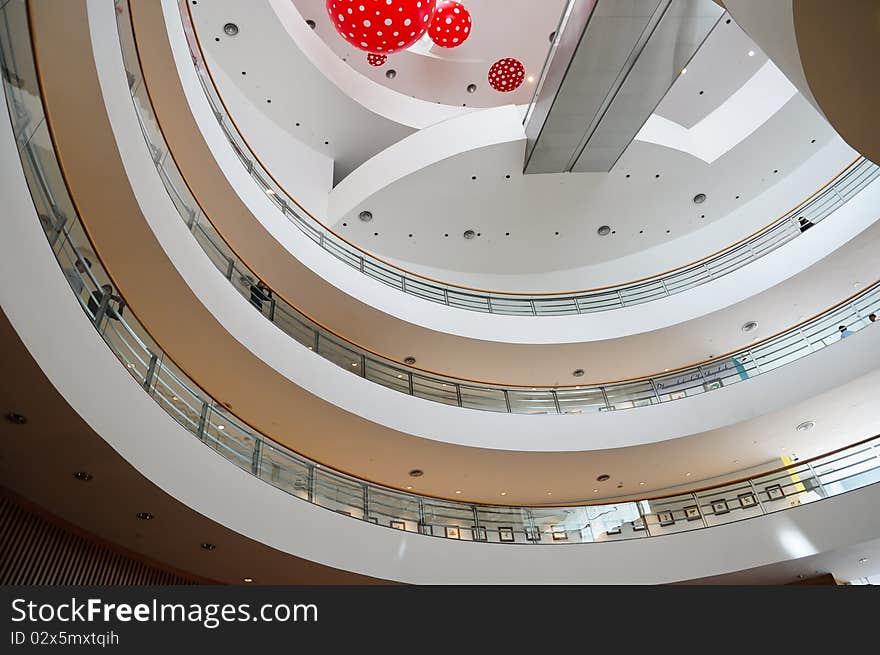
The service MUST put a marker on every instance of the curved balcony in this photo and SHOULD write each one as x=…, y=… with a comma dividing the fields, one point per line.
x=829, y=475
x=520, y=399
x=779, y=232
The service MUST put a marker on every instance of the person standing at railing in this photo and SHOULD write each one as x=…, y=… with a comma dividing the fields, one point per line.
x=76, y=275
x=872, y=317
x=260, y=293
x=844, y=332
x=97, y=298
x=805, y=223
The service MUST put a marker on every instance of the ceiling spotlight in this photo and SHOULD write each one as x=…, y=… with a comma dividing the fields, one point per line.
x=699, y=199
x=471, y=88
x=604, y=231
x=250, y=580
x=311, y=24
x=751, y=53
x=856, y=285
x=366, y=216
x=503, y=493
x=230, y=29
x=83, y=476
x=409, y=486
x=18, y=419
x=409, y=361
x=688, y=474
x=595, y=491
x=749, y=326
x=469, y=234
x=684, y=71
x=806, y=425
x=458, y=491
x=209, y=546
x=862, y=560
x=416, y=473
x=578, y=373
x=530, y=79
x=391, y=73
x=603, y=478
x=221, y=427
x=145, y=516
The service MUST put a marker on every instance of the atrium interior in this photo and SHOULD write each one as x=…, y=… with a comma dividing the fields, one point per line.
x=440, y=292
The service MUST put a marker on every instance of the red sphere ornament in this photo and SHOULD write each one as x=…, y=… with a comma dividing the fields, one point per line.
x=451, y=24
x=376, y=60
x=381, y=26
x=506, y=75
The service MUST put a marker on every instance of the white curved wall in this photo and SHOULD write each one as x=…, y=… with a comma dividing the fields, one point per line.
x=507, y=329
x=307, y=370
x=116, y=407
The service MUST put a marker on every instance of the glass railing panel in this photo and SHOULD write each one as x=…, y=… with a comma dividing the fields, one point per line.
x=486, y=399
x=388, y=376
x=543, y=306
x=293, y=326
x=580, y=401
x=19, y=73
x=642, y=293
x=183, y=403
x=672, y=514
x=849, y=470
x=598, y=302
x=284, y=471
x=341, y=494
x=435, y=390
x=631, y=394
x=727, y=503
x=503, y=524
x=537, y=401
x=393, y=509
x=562, y=524
x=784, y=489
x=616, y=522
x=450, y=520
x=681, y=384
x=340, y=355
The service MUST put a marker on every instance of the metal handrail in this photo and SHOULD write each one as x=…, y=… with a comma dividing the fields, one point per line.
x=784, y=229
x=478, y=395
x=832, y=474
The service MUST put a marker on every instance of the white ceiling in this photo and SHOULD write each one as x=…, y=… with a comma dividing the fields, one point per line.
x=501, y=28
x=518, y=217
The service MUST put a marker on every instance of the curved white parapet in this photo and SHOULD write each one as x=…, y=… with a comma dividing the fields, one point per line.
x=379, y=99
x=421, y=315
x=115, y=406
x=479, y=129
x=315, y=375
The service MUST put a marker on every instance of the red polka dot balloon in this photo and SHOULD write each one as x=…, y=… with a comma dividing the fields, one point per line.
x=506, y=75
x=376, y=60
x=451, y=24
x=381, y=26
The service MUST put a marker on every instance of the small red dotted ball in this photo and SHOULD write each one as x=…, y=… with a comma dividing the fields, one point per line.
x=376, y=60
x=506, y=75
x=381, y=26
x=451, y=25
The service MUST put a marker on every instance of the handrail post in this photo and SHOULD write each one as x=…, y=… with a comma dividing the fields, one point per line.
x=754, y=360
x=272, y=309
x=151, y=369
x=366, y=500
x=230, y=268
x=757, y=496
x=203, y=420
x=699, y=509
x=102, y=310
x=555, y=401
x=256, y=457
x=310, y=483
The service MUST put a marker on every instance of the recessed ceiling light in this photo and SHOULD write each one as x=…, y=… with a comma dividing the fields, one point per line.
x=578, y=373
x=409, y=361
x=209, y=546
x=531, y=79
x=503, y=493
x=458, y=491
x=230, y=29
x=83, y=476
x=471, y=88
x=751, y=53
x=221, y=427
x=806, y=425
x=641, y=484
x=399, y=376
x=684, y=71
x=857, y=284
x=688, y=474
x=416, y=473
x=145, y=516
x=270, y=192
x=604, y=231
x=366, y=216
x=549, y=493
x=248, y=580
x=18, y=419
x=749, y=326
x=595, y=491
x=862, y=560
x=469, y=234
x=699, y=199
x=666, y=370
x=409, y=486
x=354, y=363
x=174, y=398
x=603, y=478
x=391, y=73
